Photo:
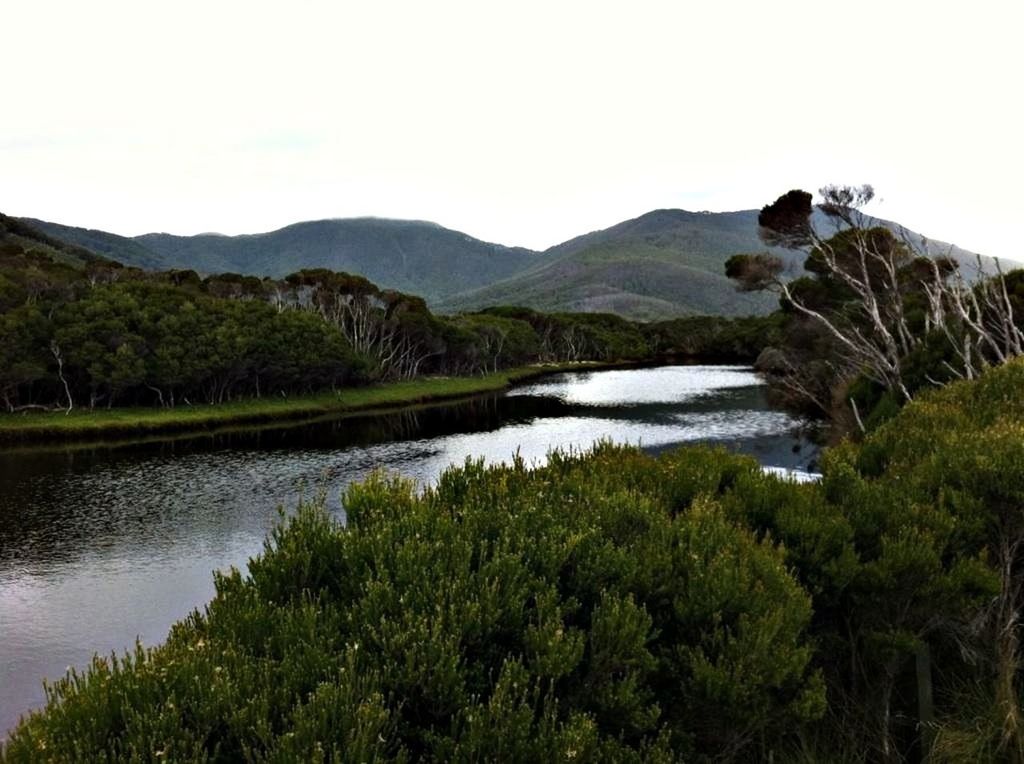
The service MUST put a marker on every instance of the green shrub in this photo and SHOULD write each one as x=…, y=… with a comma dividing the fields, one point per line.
x=602, y=607
x=609, y=606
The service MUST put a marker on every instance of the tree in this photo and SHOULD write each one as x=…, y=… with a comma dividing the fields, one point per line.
x=877, y=295
x=24, y=354
x=500, y=342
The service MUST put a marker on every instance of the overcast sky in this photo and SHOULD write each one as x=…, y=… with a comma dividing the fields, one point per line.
x=522, y=122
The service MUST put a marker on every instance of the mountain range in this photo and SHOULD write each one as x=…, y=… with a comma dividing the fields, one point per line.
x=662, y=264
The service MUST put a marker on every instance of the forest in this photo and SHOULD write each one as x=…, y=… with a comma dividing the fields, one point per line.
x=86, y=332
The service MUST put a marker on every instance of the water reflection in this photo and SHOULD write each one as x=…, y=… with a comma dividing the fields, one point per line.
x=622, y=388
x=99, y=545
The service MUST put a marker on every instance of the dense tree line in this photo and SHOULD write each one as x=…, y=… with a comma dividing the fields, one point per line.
x=611, y=606
x=148, y=341
x=94, y=333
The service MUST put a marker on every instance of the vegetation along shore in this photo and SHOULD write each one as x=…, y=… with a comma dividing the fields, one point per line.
x=86, y=424
x=609, y=606
x=89, y=347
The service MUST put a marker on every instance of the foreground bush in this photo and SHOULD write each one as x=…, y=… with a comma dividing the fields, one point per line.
x=602, y=607
x=611, y=606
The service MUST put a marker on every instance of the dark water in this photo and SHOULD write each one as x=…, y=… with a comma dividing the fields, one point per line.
x=101, y=545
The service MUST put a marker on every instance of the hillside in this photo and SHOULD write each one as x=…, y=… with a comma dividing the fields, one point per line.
x=662, y=264
x=123, y=249
x=969, y=265
x=411, y=256
x=22, y=236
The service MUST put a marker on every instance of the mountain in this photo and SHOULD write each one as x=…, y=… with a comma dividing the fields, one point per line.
x=412, y=256
x=665, y=263
x=662, y=264
x=22, y=236
x=124, y=250
x=971, y=264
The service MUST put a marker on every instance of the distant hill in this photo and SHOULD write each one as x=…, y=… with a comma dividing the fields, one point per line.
x=412, y=256
x=123, y=249
x=29, y=238
x=665, y=263
x=662, y=264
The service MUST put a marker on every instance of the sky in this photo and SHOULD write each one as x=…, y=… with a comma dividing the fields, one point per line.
x=524, y=122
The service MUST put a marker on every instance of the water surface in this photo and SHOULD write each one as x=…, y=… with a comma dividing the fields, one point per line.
x=103, y=545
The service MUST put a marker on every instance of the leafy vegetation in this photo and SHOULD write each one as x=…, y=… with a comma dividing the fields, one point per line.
x=89, y=333
x=474, y=622
x=85, y=424
x=736, y=340
x=878, y=316
x=610, y=606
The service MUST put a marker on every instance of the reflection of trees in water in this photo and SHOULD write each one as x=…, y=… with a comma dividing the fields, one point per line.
x=49, y=507
x=36, y=488
x=408, y=424
x=479, y=414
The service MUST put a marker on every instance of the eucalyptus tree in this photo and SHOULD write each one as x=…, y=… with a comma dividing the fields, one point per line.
x=878, y=297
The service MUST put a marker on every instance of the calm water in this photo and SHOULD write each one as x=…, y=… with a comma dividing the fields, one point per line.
x=101, y=545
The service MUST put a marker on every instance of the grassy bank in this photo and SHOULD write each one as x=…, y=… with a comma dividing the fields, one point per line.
x=83, y=424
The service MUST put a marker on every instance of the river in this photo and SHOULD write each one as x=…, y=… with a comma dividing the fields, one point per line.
x=103, y=545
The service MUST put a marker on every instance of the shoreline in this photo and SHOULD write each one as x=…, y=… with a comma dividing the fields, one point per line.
x=83, y=425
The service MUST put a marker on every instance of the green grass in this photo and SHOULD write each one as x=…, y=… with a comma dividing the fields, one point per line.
x=83, y=424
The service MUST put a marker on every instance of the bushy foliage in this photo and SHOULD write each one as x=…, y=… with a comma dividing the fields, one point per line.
x=877, y=317
x=712, y=338
x=98, y=334
x=610, y=606
x=603, y=607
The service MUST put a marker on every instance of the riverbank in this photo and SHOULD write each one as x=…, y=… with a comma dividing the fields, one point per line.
x=84, y=425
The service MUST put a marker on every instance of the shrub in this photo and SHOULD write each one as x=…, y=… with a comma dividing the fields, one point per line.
x=601, y=607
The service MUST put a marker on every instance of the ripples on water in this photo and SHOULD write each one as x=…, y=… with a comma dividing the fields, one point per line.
x=101, y=545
